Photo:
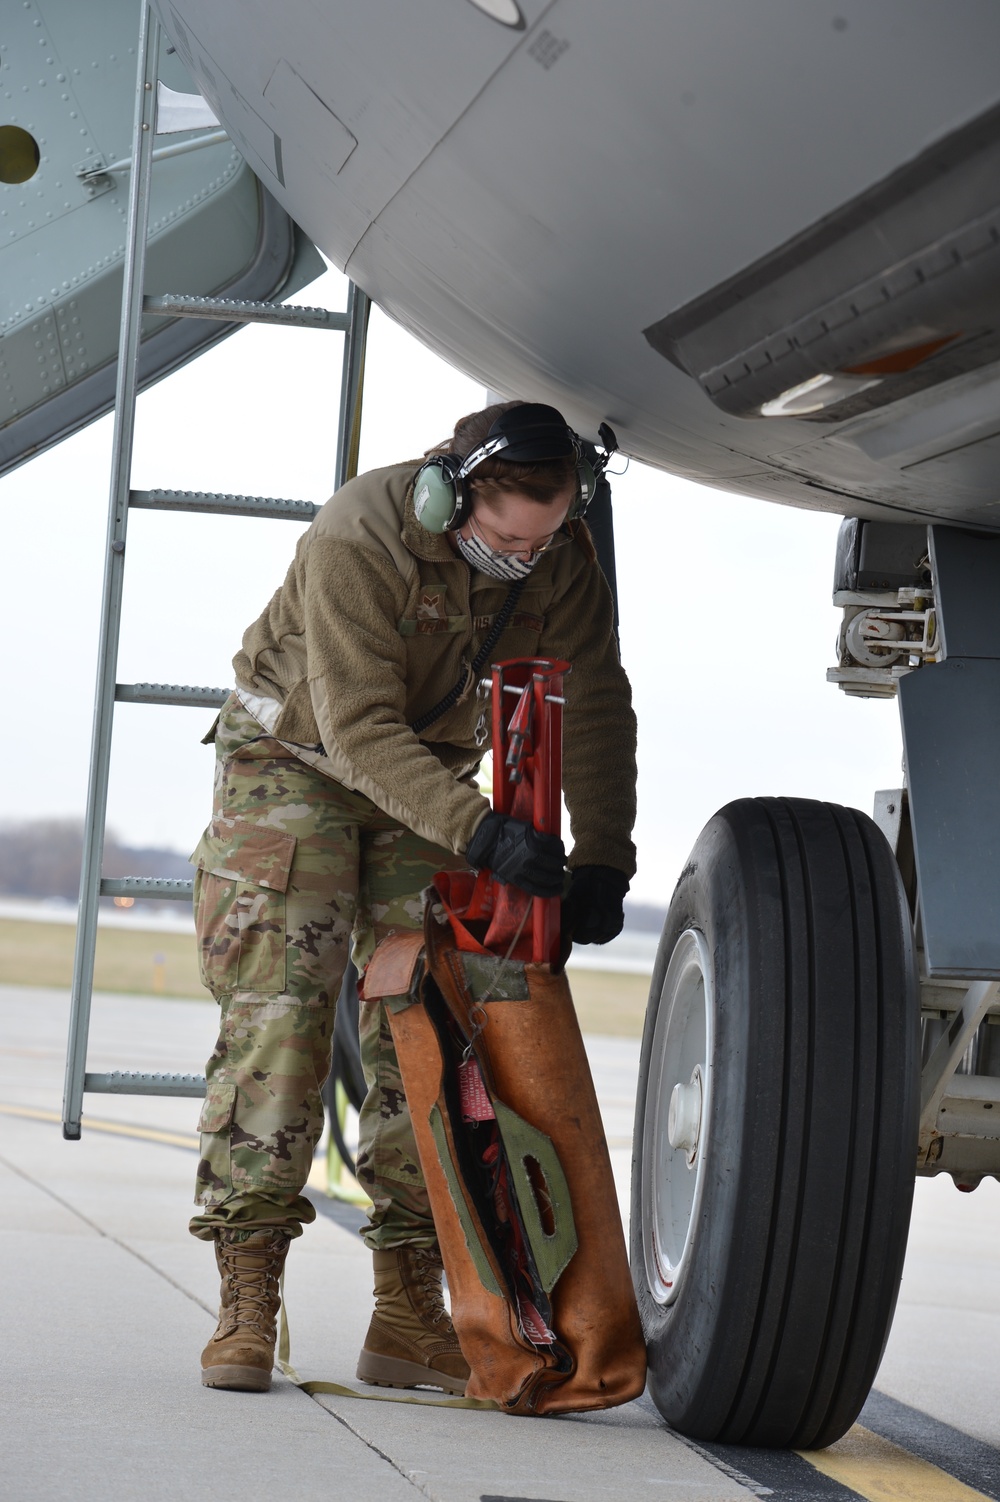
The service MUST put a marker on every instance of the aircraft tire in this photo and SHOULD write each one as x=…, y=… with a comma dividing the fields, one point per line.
x=768, y=1238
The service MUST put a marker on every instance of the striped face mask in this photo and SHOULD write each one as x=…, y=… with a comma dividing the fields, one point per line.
x=498, y=565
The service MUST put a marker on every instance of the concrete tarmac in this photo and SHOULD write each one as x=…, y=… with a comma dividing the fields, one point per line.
x=107, y=1302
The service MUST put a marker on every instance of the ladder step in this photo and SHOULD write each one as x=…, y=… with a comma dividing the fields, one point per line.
x=147, y=886
x=120, y=1082
x=222, y=505
x=238, y=310
x=170, y=693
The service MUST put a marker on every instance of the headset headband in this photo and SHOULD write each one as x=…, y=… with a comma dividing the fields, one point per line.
x=528, y=434
x=484, y=451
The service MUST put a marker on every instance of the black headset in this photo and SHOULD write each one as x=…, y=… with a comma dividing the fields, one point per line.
x=526, y=434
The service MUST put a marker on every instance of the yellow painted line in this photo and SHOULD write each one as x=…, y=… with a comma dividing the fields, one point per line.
x=317, y=1175
x=348, y=1191
x=114, y=1128
x=882, y=1472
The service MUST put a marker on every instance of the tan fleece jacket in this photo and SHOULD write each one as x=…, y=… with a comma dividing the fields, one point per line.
x=376, y=621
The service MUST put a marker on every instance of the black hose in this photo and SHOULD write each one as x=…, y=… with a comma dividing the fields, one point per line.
x=453, y=695
x=345, y=1067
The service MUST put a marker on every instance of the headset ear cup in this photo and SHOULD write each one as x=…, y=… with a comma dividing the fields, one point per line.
x=435, y=495
x=586, y=481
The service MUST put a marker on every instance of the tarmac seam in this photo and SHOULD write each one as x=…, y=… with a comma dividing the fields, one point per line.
x=758, y=1488
x=36, y=1184
x=733, y=1472
x=332, y=1412
x=124, y=1246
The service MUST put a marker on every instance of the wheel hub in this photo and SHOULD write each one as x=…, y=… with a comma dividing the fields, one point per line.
x=684, y=1116
x=677, y=1114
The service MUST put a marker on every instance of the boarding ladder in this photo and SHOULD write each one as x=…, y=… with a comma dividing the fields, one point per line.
x=353, y=324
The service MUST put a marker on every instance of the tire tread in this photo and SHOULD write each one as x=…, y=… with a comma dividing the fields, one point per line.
x=791, y=1335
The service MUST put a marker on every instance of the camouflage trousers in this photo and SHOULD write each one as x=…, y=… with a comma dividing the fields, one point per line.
x=292, y=867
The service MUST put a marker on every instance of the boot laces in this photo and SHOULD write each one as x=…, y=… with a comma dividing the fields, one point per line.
x=427, y=1270
x=253, y=1289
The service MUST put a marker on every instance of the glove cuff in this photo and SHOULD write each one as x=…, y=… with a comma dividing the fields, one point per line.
x=608, y=876
x=484, y=840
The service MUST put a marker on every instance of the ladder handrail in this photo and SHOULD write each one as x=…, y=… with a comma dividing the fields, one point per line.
x=144, y=129
x=359, y=306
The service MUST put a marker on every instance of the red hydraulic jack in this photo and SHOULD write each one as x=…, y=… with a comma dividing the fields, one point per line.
x=527, y=769
x=527, y=784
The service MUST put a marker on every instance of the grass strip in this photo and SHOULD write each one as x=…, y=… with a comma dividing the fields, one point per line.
x=145, y=963
x=141, y=962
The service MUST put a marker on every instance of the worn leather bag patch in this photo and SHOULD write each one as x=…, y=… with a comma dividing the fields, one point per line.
x=394, y=966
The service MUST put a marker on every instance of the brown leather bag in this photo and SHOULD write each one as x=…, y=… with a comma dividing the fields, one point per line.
x=499, y=1040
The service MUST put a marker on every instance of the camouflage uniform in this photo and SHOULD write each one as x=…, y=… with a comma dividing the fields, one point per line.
x=292, y=865
x=332, y=815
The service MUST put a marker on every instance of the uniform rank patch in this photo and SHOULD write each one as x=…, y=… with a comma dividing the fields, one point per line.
x=432, y=611
x=431, y=605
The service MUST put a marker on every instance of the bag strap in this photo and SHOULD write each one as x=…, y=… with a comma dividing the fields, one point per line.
x=453, y=695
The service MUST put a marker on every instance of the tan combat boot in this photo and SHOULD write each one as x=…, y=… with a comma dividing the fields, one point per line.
x=411, y=1341
x=240, y=1354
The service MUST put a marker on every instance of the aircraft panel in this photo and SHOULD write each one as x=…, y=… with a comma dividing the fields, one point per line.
x=531, y=203
x=67, y=79
x=338, y=116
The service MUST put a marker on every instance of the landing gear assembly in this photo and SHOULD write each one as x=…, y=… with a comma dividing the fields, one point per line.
x=822, y=1024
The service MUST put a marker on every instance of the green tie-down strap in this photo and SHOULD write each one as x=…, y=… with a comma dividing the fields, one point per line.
x=542, y=1194
x=476, y=1250
x=541, y=1190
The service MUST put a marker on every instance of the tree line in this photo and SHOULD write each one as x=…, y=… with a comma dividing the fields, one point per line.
x=42, y=858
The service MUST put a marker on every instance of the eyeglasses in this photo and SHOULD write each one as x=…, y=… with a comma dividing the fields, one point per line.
x=557, y=540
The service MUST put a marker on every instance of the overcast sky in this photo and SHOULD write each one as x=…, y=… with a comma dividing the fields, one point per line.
x=726, y=623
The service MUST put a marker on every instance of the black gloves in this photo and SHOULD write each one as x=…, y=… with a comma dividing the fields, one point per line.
x=593, y=909
x=517, y=853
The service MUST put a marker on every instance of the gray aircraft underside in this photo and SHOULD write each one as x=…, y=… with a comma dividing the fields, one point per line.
x=762, y=240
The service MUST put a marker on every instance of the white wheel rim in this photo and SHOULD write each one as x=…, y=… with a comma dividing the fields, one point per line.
x=677, y=1116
